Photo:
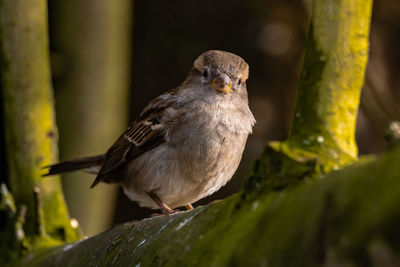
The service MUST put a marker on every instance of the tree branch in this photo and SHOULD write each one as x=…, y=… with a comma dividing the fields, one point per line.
x=331, y=80
x=349, y=218
x=31, y=135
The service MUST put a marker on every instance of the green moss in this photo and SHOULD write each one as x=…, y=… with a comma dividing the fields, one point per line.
x=281, y=166
x=331, y=81
x=335, y=219
x=31, y=135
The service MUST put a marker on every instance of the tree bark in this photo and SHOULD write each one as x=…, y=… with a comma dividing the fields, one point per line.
x=31, y=135
x=349, y=218
x=331, y=81
x=322, y=135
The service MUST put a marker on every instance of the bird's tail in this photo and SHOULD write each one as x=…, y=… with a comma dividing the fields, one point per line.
x=75, y=164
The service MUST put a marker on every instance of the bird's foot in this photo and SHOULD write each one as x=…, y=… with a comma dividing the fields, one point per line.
x=189, y=206
x=165, y=210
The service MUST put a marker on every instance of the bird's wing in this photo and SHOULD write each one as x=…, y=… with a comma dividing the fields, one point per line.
x=144, y=134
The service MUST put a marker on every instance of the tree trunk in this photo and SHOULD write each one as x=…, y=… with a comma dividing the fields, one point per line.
x=331, y=81
x=31, y=135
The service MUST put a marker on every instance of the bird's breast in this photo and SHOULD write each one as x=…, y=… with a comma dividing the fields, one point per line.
x=202, y=152
x=206, y=143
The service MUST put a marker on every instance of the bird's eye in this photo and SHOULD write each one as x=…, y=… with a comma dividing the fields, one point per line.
x=205, y=73
x=239, y=81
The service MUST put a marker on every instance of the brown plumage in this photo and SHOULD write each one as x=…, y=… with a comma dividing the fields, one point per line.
x=187, y=142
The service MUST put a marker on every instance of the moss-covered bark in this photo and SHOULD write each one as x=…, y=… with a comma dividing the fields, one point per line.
x=350, y=218
x=93, y=40
x=322, y=135
x=31, y=135
x=331, y=80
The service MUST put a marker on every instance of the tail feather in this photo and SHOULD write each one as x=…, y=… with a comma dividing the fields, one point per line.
x=74, y=165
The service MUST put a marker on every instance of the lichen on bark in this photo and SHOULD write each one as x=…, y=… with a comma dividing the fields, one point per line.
x=331, y=81
x=31, y=135
x=349, y=217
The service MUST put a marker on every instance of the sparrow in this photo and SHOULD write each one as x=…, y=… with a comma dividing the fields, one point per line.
x=186, y=144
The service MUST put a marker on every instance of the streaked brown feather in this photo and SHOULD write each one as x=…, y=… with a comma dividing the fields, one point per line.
x=143, y=135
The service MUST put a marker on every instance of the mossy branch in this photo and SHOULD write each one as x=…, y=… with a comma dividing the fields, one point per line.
x=350, y=218
x=31, y=135
x=331, y=81
x=322, y=135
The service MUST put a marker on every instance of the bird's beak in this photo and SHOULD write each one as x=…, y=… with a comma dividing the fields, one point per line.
x=222, y=83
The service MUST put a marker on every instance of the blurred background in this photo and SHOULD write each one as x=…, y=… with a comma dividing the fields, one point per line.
x=109, y=58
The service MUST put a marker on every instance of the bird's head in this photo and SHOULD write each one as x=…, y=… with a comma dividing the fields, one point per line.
x=221, y=71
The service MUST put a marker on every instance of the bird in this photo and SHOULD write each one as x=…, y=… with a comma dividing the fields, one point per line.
x=186, y=144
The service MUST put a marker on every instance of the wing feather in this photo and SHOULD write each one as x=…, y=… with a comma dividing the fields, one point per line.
x=142, y=135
